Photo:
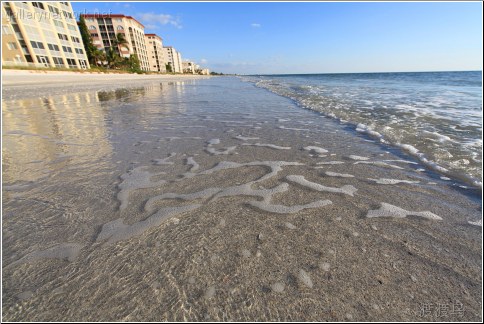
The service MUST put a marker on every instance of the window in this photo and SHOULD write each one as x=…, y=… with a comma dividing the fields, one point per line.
x=58, y=23
x=72, y=63
x=54, y=10
x=12, y=46
x=62, y=36
x=94, y=35
x=72, y=27
x=6, y=30
x=92, y=27
x=39, y=5
x=58, y=61
x=38, y=45
x=120, y=28
x=67, y=49
x=79, y=51
x=75, y=39
x=53, y=47
x=67, y=14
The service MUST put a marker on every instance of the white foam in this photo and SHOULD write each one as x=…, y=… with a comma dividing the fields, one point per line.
x=165, y=160
x=272, y=146
x=203, y=194
x=387, y=210
x=316, y=149
x=134, y=180
x=242, y=138
x=193, y=163
x=294, y=129
x=214, y=141
x=358, y=158
x=341, y=175
x=331, y=162
x=391, y=181
x=379, y=163
x=227, y=150
x=116, y=230
x=401, y=161
x=347, y=189
x=281, y=209
x=362, y=128
x=476, y=223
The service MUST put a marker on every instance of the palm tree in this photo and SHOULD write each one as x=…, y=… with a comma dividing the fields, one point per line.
x=98, y=56
x=112, y=57
x=120, y=41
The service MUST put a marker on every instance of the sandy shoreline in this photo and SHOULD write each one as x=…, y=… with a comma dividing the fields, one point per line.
x=15, y=81
x=215, y=200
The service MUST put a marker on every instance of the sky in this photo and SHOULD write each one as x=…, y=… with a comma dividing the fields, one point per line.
x=322, y=37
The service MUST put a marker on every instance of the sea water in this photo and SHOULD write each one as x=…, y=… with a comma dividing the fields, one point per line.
x=435, y=116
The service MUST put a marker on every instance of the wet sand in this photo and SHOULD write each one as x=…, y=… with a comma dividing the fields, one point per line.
x=215, y=200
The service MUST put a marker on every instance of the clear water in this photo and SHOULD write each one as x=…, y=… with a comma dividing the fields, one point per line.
x=436, y=116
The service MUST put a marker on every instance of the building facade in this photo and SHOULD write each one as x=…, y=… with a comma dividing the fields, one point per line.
x=104, y=28
x=173, y=58
x=156, y=59
x=188, y=67
x=41, y=34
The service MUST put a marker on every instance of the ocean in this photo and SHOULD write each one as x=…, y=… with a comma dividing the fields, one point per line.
x=434, y=116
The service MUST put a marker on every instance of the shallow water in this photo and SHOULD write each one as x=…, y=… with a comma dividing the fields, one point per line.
x=436, y=116
x=216, y=200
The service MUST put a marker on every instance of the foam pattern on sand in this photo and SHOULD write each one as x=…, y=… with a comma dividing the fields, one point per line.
x=243, y=138
x=116, y=230
x=386, y=181
x=347, y=189
x=193, y=163
x=203, y=194
x=339, y=175
x=380, y=163
x=134, y=180
x=272, y=146
x=315, y=149
x=387, y=210
x=281, y=209
x=165, y=160
x=358, y=158
x=330, y=163
x=65, y=251
x=214, y=151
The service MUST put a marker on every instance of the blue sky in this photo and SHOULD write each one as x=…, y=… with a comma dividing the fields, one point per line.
x=261, y=38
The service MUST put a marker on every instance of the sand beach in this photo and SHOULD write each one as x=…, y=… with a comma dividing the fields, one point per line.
x=153, y=198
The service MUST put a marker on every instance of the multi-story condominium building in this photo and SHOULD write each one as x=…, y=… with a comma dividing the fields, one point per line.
x=205, y=72
x=173, y=58
x=188, y=67
x=42, y=34
x=154, y=45
x=104, y=27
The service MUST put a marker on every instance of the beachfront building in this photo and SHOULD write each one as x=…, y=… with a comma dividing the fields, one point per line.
x=188, y=67
x=41, y=34
x=204, y=71
x=173, y=58
x=154, y=45
x=104, y=28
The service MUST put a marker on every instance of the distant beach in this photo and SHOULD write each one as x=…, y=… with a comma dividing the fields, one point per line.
x=174, y=198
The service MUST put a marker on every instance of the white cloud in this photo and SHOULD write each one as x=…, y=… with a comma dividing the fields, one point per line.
x=153, y=19
x=255, y=25
x=203, y=61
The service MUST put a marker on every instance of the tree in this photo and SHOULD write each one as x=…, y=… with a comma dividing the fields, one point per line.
x=112, y=57
x=120, y=41
x=168, y=67
x=87, y=41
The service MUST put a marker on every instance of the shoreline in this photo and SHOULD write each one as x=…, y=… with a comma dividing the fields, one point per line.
x=215, y=199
